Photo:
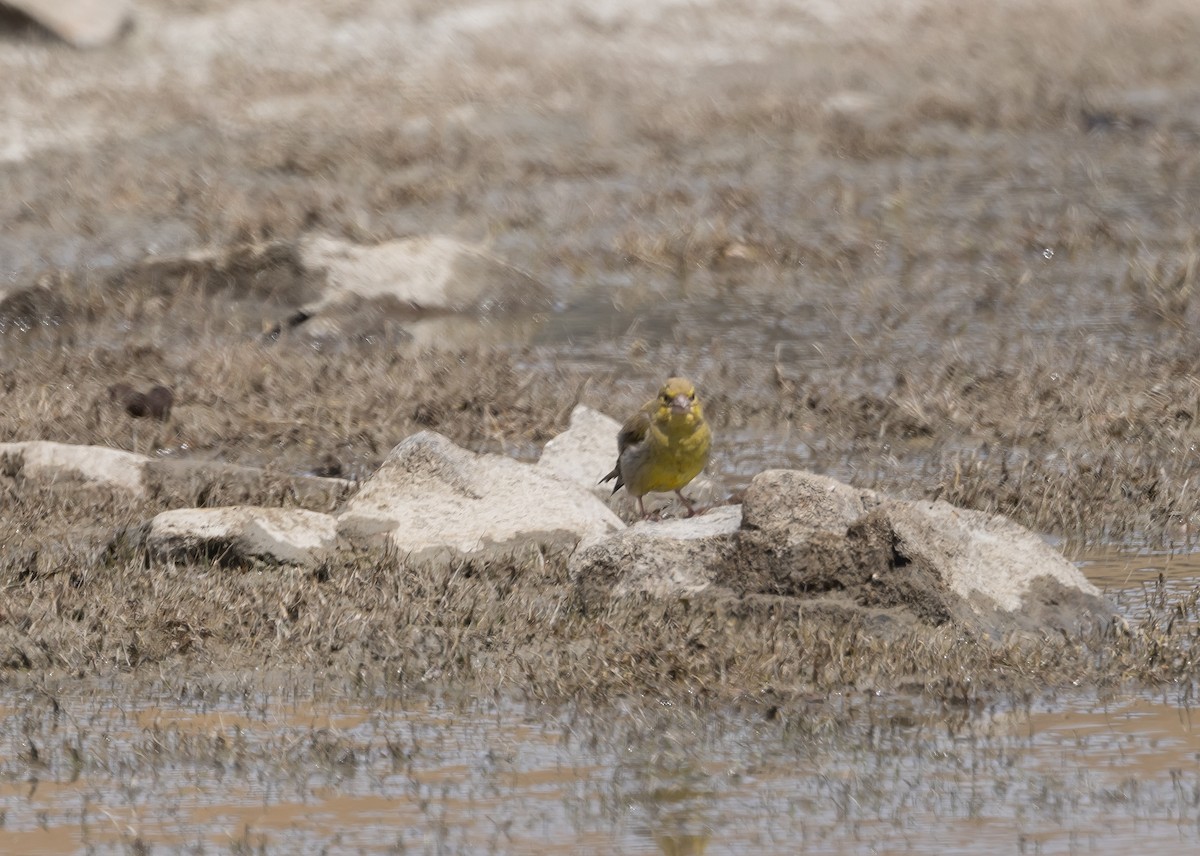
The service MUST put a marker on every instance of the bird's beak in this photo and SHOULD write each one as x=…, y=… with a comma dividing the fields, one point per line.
x=681, y=404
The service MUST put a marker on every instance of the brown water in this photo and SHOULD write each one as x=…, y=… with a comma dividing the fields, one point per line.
x=1128, y=568
x=275, y=771
x=1137, y=578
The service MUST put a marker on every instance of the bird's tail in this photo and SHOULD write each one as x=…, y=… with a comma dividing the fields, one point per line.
x=615, y=474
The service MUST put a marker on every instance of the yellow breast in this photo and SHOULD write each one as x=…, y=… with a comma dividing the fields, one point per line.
x=673, y=453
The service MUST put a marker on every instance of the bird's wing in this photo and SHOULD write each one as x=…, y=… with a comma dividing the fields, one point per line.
x=634, y=430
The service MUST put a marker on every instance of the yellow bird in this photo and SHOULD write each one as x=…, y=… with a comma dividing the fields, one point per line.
x=664, y=445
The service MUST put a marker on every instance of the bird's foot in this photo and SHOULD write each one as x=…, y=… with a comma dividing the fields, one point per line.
x=691, y=506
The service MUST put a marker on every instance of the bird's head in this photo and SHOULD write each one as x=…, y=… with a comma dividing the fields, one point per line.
x=677, y=401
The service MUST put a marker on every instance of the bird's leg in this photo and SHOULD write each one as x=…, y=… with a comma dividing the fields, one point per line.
x=687, y=502
x=642, y=509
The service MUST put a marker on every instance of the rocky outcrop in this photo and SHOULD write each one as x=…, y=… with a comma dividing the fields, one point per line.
x=428, y=290
x=325, y=287
x=841, y=550
x=800, y=541
x=430, y=501
x=434, y=501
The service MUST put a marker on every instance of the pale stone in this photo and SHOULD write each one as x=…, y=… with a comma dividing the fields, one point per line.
x=433, y=500
x=586, y=451
x=667, y=558
x=792, y=504
x=426, y=273
x=47, y=461
x=981, y=554
x=289, y=536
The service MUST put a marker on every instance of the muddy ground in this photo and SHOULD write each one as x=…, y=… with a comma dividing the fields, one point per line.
x=936, y=249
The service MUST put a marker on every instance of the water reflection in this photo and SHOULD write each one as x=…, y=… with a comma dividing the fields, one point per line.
x=114, y=772
x=1139, y=581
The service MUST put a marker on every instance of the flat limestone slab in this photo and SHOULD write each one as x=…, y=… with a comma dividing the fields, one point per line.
x=433, y=500
x=432, y=272
x=46, y=461
x=287, y=536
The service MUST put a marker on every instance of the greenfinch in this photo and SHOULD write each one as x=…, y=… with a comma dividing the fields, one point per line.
x=664, y=445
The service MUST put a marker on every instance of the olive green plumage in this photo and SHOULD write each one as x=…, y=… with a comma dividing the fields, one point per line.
x=664, y=445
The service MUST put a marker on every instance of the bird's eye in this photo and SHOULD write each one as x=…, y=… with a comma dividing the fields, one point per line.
x=692, y=397
x=666, y=399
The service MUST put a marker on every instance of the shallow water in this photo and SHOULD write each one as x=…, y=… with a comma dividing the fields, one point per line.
x=124, y=768
x=116, y=772
x=1137, y=579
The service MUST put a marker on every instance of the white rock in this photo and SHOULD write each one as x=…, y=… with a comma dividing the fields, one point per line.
x=432, y=500
x=425, y=273
x=667, y=558
x=819, y=541
x=46, y=461
x=82, y=23
x=586, y=451
x=791, y=504
x=981, y=554
x=981, y=569
x=288, y=536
